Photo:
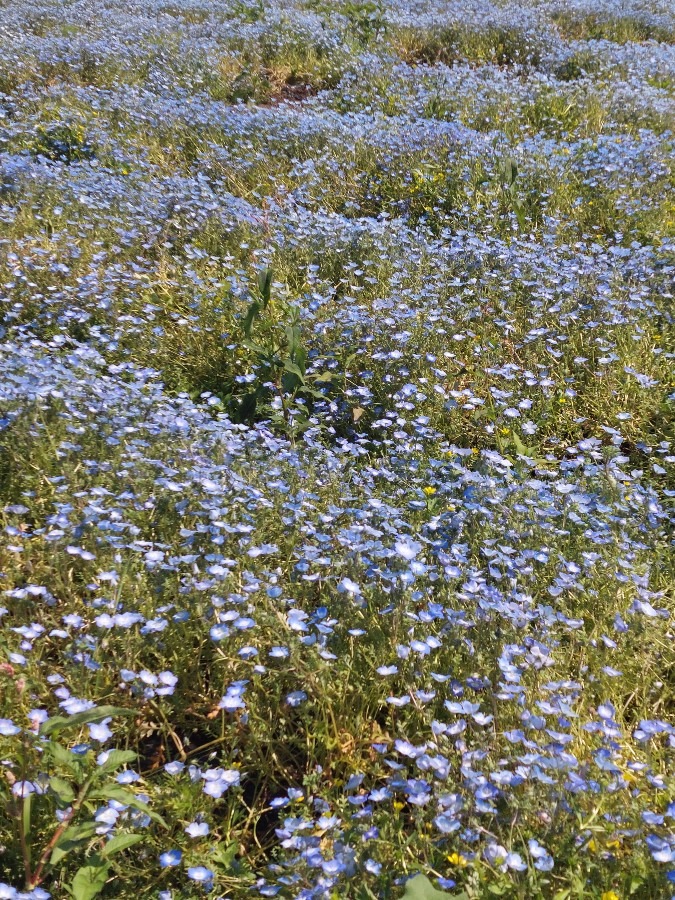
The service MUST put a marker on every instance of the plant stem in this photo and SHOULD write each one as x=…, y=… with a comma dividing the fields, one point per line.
x=25, y=849
x=21, y=816
x=38, y=876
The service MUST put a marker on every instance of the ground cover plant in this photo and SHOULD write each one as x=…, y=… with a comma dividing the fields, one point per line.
x=337, y=377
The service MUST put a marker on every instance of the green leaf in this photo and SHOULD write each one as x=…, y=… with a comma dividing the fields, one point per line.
x=265, y=285
x=509, y=169
x=87, y=716
x=290, y=382
x=225, y=856
x=78, y=832
x=62, y=756
x=116, y=759
x=420, y=888
x=313, y=393
x=120, y=842
x=291, y=367
x=72, y=838
x=63, y=789
x=256, y=348
x=300, y=358
x=89, y=881
x=251, y=315
x=292, y=339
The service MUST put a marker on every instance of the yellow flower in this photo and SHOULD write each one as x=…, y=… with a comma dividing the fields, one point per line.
x=474, y=450
x=591, y=845
x=429, y=490
x=398, y=806
x=456, y=859
x=610, y=895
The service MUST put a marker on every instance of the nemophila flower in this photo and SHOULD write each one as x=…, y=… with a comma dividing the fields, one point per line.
x=387, y=670
x=542, y=858
x=73, y=705
x=346, y=585
x=218, y=781
x=23, y=789
x=407, y=550
x=219, y=632
x=100, y=731
x=106, y=818
x=200, y=874
x=661, y=850
x=447, y=824
x=170, y=858
x=296, y=698
x=7, y=728
x=127, y=777
x=197, y=829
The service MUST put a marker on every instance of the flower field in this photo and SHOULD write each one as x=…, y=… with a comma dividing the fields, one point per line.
x=337, y=457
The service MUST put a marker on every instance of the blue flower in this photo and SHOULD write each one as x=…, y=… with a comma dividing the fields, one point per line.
x=200, y=874
x=170, y=858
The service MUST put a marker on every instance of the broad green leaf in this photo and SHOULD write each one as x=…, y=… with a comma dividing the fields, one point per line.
x=291, y=367
x=292, y=338
x=225, y=856
x=62, y=756
x=62, y=788
x=251, y=316
x=78, y=832
x=116, y=759
x=87, y=716
x=420, y=888
x=265, y=285
x=72, y=838
x=63, y=849
x=289, y=383
x=314, y=393
x=120, y=842
x=300, y=358
x=256, y=348
x=89, y=881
